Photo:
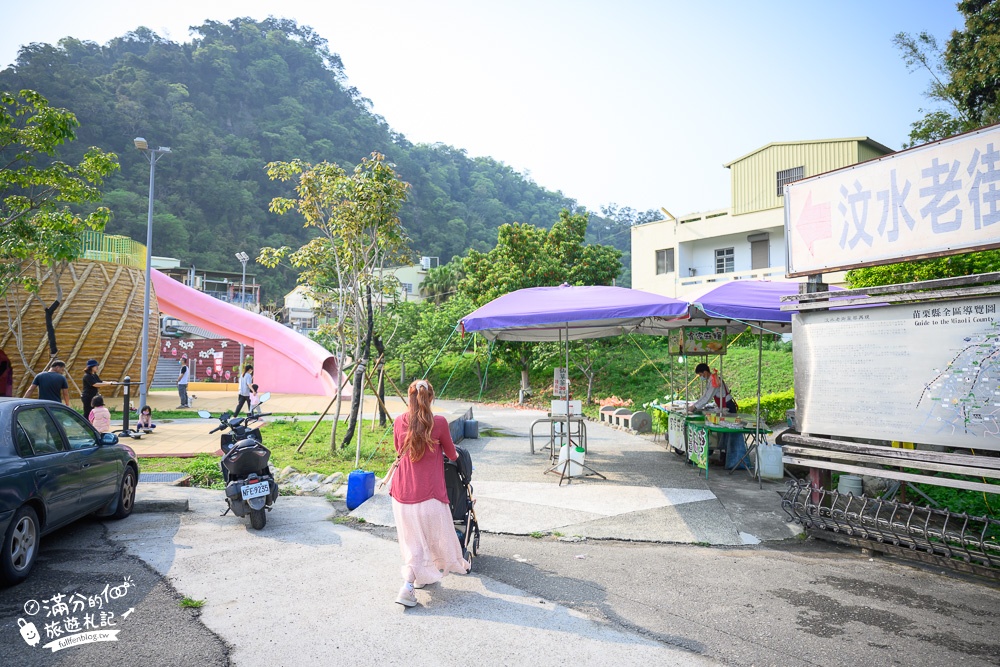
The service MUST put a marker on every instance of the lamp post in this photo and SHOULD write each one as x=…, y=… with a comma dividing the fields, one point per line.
x=244, y=258
x=152, y=154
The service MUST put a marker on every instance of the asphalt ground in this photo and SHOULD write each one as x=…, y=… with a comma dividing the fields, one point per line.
x=308, y=590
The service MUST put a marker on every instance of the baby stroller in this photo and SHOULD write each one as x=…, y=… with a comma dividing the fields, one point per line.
x=458, y=480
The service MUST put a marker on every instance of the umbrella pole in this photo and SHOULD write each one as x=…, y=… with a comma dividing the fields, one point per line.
x=760, y=364
x=564, y=468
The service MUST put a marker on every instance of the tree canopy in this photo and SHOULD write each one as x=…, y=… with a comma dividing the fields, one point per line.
x=37, y=222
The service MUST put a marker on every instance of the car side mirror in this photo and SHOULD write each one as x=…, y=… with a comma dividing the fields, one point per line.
x=109, y=439
x=204, y=414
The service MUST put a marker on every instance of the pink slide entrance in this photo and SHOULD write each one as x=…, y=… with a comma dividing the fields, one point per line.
x=285, y=362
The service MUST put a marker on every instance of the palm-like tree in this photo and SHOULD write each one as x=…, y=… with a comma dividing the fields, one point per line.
x=441, y=283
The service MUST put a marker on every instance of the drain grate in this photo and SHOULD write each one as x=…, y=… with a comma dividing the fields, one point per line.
x=160, y=477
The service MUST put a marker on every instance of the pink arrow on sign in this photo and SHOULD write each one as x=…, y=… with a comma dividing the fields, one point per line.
x=814, y=223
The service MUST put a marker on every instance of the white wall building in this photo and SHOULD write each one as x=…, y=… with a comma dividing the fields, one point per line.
x=679, y=255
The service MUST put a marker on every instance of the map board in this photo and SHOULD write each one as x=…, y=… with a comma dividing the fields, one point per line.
x=927, y=372
x=937, y=199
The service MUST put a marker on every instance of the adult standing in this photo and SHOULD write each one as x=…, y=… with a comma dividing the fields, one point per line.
x=424, y=527
x=51, y=384
x=91, y=382
x=715, y=390
x=246, y=382
x=182, y=383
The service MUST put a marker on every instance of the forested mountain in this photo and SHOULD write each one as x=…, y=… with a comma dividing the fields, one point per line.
x=242, y=94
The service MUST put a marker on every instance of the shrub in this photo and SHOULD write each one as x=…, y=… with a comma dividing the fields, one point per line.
x=772, y=406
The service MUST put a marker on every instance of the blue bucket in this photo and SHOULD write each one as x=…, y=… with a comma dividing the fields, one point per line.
x=360, y=487
x=471, y=429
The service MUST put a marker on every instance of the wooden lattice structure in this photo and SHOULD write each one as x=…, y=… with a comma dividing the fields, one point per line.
x=100, y=318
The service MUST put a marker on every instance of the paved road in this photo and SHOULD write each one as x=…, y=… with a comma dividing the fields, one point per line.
x=80, y=559
x=324, y=594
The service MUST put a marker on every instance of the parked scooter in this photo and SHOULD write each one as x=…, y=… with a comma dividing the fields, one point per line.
x=250, y=486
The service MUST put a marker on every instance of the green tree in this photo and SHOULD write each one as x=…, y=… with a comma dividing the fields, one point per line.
x=37, y=222
x=965, y=79
x=528, y=256
x=359, y=234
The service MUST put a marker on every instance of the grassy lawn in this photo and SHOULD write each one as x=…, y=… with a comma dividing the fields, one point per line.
x=283, y=438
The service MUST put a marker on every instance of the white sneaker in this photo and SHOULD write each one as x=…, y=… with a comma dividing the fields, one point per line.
x=406, y=597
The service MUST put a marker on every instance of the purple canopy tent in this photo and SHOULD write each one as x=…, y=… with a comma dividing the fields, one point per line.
x=571, y=313
x=567, y=313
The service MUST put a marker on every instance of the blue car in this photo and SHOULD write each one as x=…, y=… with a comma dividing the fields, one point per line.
x=54, y=469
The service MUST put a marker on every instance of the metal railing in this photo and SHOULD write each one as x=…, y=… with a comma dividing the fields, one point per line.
x=946, y=534
x=114, y=249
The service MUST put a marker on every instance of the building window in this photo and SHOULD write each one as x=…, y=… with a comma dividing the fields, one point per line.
x=665, y=261
x=724, y=260
x=787, y=176
x=408, y=288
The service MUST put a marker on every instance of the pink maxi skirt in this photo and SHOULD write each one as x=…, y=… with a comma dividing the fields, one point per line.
x=427, y=541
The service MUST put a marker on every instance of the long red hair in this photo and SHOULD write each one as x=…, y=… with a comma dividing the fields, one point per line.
x=420, y=421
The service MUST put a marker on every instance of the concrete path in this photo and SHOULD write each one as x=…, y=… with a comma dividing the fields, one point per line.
x=306, y=591
x=649, y=495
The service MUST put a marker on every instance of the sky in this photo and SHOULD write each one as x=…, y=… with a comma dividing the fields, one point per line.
x=636, y=102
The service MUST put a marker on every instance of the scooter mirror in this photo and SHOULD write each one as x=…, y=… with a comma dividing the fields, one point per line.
x=263, y=397
x=204, y=414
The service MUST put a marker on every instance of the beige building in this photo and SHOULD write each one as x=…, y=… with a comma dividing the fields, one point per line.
x=683, y=254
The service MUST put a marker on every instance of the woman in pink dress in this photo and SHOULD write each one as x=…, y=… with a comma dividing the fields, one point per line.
x=424, y=526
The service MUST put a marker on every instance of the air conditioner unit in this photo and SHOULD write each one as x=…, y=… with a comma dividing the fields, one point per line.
x=428, y=263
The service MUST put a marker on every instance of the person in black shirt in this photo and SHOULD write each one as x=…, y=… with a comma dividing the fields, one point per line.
x=91, y=381
x=51, y=384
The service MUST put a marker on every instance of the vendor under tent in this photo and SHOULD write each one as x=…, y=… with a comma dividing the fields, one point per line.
x=565, y=313
x=746, y=303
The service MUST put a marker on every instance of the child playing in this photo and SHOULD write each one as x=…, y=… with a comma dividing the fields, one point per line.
x=146, y=418
x=100, y=416
x=254, y=398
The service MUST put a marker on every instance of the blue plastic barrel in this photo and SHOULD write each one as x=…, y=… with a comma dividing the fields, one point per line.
x=471, y=429
x=360, y=487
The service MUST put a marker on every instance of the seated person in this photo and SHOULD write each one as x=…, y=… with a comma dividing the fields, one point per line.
x=100, y=416
x=146, y=418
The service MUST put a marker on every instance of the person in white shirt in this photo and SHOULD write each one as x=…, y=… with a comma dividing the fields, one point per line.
x=246, y=380
x=182, y=383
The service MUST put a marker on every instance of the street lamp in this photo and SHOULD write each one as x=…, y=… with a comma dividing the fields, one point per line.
x=152, y=154
x=244, y=258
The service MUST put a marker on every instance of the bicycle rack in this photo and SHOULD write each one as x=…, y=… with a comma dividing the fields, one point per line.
x=945, y=535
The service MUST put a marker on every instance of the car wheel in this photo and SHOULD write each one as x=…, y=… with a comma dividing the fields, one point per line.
x=126, y=494
x=20, y=546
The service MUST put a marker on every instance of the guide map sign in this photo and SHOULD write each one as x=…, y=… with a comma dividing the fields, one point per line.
x=925, y=372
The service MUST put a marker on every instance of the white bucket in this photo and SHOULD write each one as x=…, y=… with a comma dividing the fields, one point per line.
x=850, y=484
x=769, y=462
x=576, y=456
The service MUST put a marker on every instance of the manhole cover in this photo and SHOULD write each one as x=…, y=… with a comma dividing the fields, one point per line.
x=160, y=477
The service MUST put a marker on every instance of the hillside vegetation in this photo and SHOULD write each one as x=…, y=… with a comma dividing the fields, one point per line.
x=238, y=96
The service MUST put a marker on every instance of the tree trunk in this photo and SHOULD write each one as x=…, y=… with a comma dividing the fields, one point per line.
x=525, y=378
x=359, y=374
x=380, y=368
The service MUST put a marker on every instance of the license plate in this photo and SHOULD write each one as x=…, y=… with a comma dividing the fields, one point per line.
x=255, y=490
